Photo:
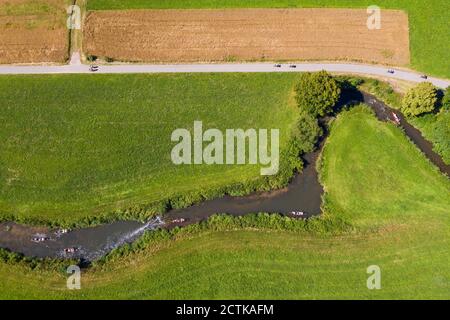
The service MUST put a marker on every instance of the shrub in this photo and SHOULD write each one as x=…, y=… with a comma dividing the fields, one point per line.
x=317, y=93
x=307, y=132
x=91, y=58
x=446, y=99
x=420, y=99
x=32, y=263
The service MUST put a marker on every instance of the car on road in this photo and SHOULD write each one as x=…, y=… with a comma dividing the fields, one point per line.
x=93, y=68
x=292, y=66
x=391, y=71
x=277, y=65
x=424, y=76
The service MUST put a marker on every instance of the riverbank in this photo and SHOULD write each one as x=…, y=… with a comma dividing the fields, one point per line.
x=395, y=205
x=97, y=148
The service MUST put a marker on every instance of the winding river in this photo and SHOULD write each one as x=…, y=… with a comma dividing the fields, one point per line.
x=304, y=193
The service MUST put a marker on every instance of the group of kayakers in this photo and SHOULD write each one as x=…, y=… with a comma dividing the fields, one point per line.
x=42, y=238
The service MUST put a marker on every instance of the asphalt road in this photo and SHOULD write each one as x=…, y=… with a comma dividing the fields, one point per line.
x=229, y=67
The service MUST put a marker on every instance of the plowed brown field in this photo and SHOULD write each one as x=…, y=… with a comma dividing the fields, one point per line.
x=247, y=34
x=33, y=31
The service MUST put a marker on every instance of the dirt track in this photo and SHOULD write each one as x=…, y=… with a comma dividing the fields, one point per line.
x=246, y=34
x=33, y=31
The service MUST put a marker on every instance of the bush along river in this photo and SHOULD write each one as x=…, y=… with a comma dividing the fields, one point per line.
x=300, y=199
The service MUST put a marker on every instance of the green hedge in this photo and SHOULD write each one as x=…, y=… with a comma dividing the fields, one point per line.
x=32, y=263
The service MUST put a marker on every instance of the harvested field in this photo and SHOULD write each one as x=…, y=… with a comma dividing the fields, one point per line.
x=246, y=34
x=33, y=31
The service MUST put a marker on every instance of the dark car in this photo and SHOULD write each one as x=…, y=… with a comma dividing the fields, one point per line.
x=277, y=65
x=424, y=76
x=391, y=71
x=292, y=66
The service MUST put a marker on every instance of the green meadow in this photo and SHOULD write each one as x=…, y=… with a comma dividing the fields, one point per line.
x=428, y=21
x=77, y=146
x=396, y=204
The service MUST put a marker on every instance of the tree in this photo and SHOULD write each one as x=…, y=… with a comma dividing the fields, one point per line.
x=420, y=99
x=446, y=99
x=306, y=132
x=317, y=93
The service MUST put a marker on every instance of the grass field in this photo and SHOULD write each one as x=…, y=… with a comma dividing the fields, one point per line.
x=387, y=180
x=75, y=145
x=400, y=225
x=429, y=36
